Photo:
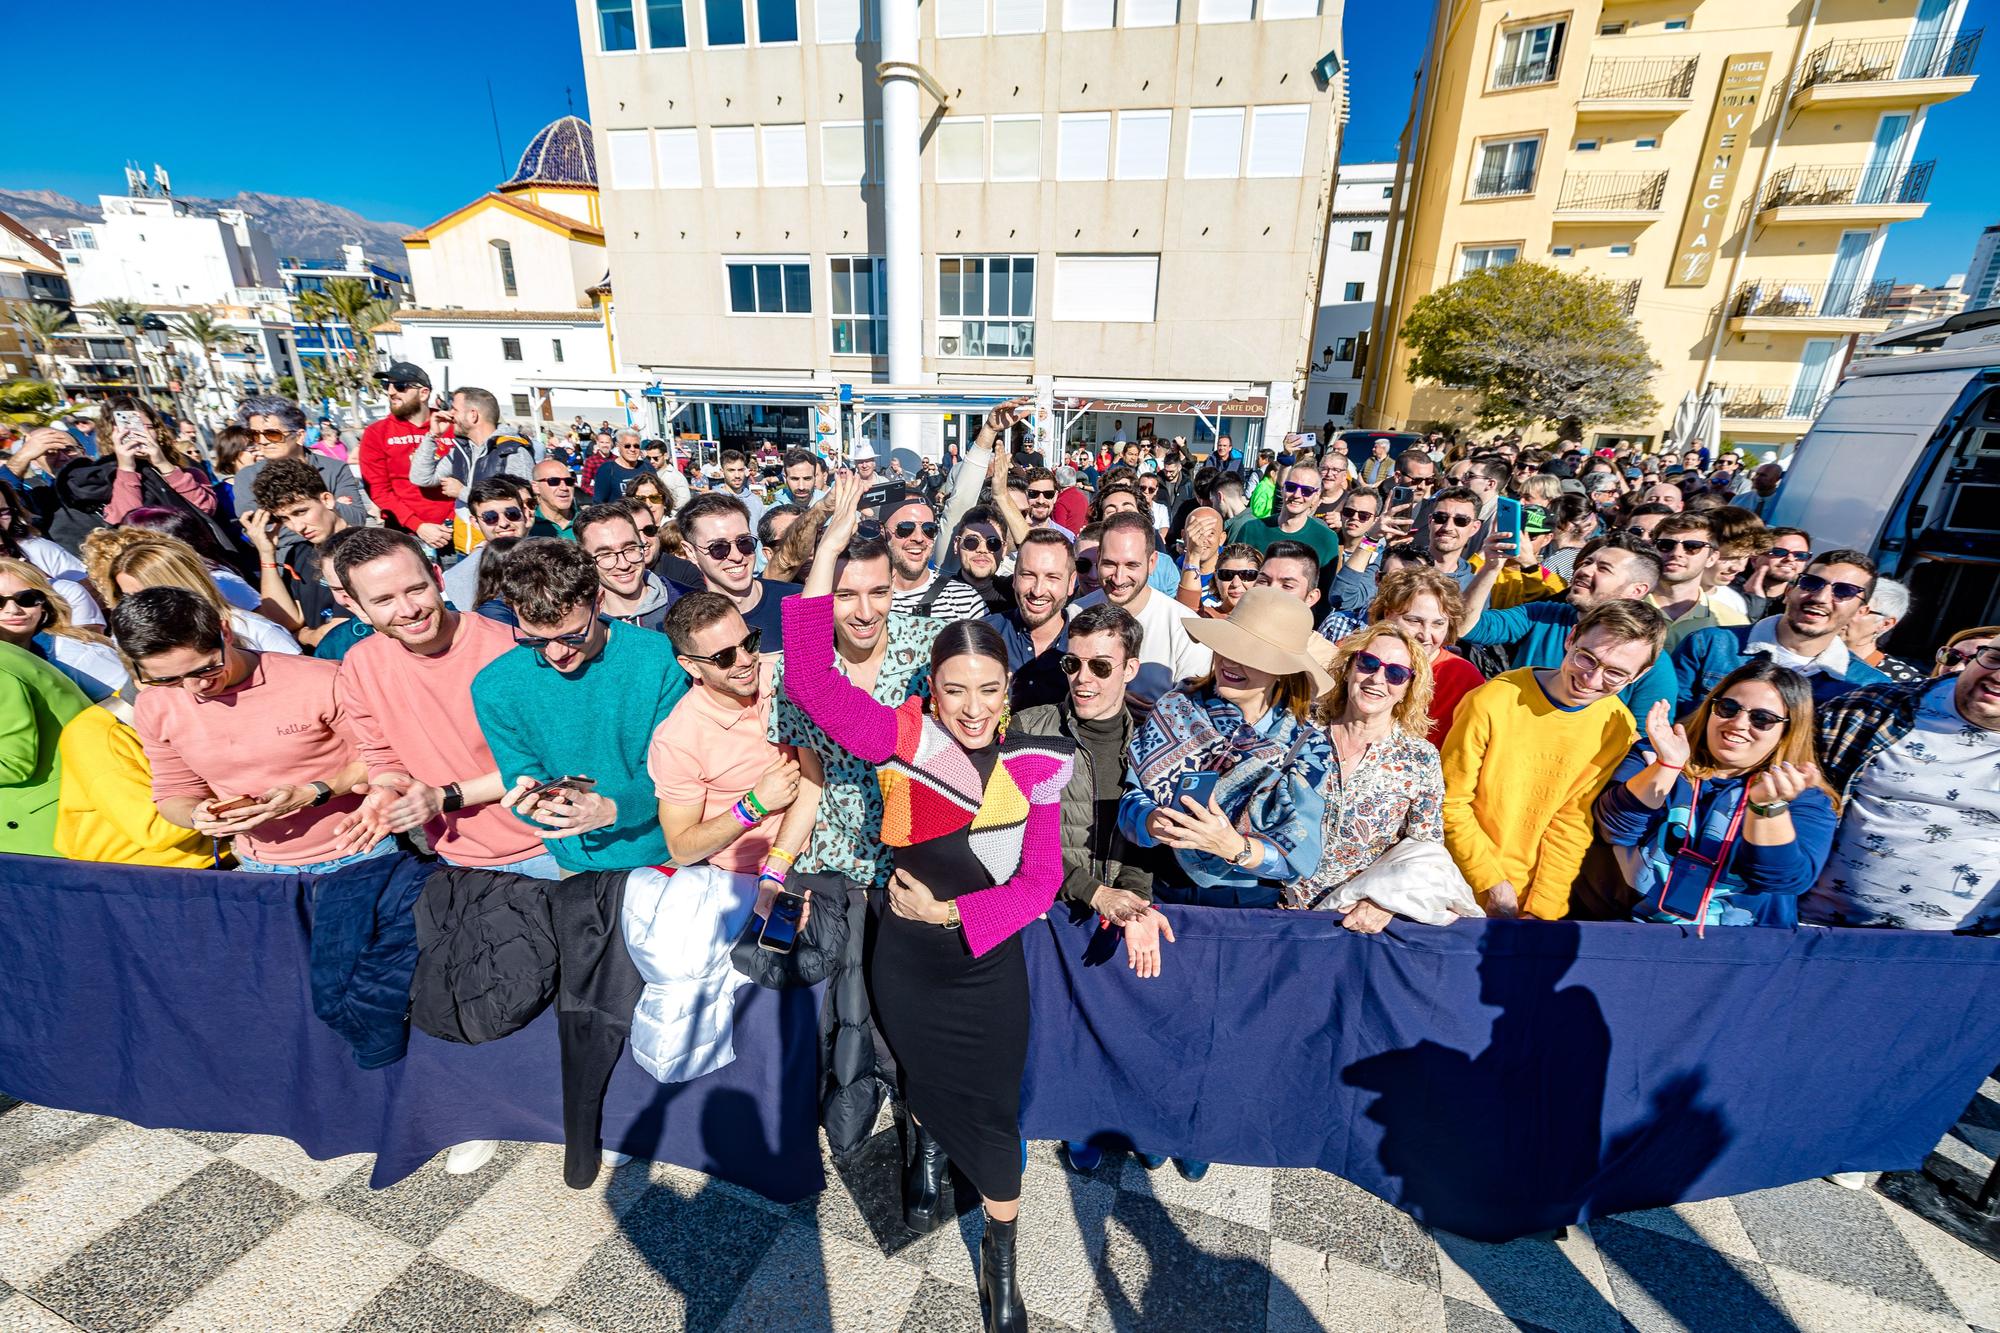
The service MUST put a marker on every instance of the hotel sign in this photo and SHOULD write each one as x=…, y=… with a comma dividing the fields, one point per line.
x=1720, y=163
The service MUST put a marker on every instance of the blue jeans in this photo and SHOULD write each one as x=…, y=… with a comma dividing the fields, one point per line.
x=539, y=866
x=386, y=847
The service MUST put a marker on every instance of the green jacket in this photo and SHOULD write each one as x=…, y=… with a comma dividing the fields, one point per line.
x=1264, y=498
x=36, y=702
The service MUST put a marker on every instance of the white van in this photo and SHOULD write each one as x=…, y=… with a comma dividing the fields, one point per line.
x=1904, y=463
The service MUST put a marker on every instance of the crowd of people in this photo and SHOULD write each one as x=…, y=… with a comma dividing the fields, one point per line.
x=1474, y=677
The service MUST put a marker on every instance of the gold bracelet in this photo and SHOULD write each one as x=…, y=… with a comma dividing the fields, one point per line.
x=952, y=921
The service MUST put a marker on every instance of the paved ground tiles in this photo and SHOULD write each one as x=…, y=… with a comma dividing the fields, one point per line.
x=110, y=1228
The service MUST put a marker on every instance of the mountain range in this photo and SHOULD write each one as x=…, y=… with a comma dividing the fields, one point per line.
x=305, y=228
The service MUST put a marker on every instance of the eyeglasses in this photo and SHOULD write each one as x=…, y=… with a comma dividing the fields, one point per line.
x=1591, y=666
x=908, y=528
x=1440, y=518
x=28, y=599
x=558, y=482
x=1037, y=493
x=1100, y=667
x=1786, y=553
x=1232, y=575
x=1300, y=488
x=727, y=657
x=1987, y=656
x=1842, y=592
x=623, y=555
x=1367, y=664
x=271, y=436
x=1761, y=719
x=972, y=541
x=743, y=545
x=1353, y=515
x=1690, y=545
x=209, y=672
x=512, y=513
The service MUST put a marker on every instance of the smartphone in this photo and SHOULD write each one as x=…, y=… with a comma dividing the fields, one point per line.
x=575, y=783
x=232, y=805
x=1201, y=786
x=1399, y=496
x=1507, y=516
x=781, y=928
x=124, y=421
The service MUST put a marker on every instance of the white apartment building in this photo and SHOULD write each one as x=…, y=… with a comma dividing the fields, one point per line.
x=1356, y=235
x=1118, y=205
x=156, y=251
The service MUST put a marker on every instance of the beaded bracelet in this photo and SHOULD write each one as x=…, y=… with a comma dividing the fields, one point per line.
x=743, y=816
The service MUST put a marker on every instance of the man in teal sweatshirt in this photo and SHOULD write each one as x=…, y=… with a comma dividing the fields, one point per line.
x=580, y=696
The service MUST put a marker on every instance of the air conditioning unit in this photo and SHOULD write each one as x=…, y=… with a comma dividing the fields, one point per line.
x=948, y=337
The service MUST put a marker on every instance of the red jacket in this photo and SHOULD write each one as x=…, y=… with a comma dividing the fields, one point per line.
x=386, y=449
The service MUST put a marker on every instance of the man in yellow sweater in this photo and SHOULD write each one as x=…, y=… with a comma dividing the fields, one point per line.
x=1528, y=752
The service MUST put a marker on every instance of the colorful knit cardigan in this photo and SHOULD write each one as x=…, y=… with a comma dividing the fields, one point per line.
x=930, y=786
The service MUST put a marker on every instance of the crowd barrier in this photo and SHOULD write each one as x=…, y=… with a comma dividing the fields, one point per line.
x=1491, y=1078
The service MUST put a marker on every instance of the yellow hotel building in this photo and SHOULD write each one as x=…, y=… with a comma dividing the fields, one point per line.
x=1734, y=165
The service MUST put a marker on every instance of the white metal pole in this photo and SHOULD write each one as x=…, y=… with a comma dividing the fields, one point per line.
x=902, y=208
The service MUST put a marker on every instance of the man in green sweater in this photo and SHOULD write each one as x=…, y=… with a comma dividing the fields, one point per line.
x=579, y=696
x=1293, y=518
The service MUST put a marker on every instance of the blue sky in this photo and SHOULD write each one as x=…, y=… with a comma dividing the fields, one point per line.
x=382, y=108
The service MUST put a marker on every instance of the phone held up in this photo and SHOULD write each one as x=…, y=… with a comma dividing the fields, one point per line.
x=781, y=928
x=1399, y=496
x=1507, y=517
x=133, y=421
x=1200, y=786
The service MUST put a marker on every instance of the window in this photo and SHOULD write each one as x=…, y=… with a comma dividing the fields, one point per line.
x=510, y=349
x=769, y=287
x=843, y=152
x=1562, y=251
x=616, y=29
x=838, y=22
x=725, y=22
x=1586, y=145
x=860, y=286
x=677, y=153
x=666, y=24
x=1343, y=349
x=1506, y=167
x=522, y=407
x=1117, y=289
x=1615, y=28
x=1621, y=251
x=555, y=350
x=1677, y=25
x=1017, y=148
x=1290, y=9
x=1645, y=145
x=1529, y=54
x=961, y=149
x=1082, y=15
x=631, y=160
x=1361, y=242
x=1223, y=11
x=1278, y=140
x=1142, y=144
x=1152, y=13
x=733, y=152
x=1336, y=404
x=1215, y=142
x=961, y=18
x=440, y=349
x=1017, y=16
x=777, y=22
x=986, y=305
x=503, y=255
x=1474, y=258
x=1083, y=146
x=1352, y=291
x=784, y=154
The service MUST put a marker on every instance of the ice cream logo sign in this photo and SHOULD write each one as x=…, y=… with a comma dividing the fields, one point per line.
x=1721, y=162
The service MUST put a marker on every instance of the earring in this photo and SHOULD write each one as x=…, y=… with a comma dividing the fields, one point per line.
x=1006, y=716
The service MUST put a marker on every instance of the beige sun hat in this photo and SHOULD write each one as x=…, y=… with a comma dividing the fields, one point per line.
x=1272, y=631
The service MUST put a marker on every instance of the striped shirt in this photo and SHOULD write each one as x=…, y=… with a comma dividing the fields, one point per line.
x=956, y=600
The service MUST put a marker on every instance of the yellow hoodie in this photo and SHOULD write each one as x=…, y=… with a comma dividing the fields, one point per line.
x=105, y=811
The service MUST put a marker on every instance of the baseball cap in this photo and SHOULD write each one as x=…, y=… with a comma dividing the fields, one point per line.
x=402, y=372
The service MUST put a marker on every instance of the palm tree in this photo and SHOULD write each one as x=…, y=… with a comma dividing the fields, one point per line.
x=40, y=323
x=122, y=317
x=200, y=327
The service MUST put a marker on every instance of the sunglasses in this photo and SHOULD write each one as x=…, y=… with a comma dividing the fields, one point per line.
x=271, y=436
x=1761, y=719
x=727, y=657
x=1038, y=494
x=28, y=599
x=909, y=528
x=1100, y=667
x=1987, y=656
x=1456, y=520
x=1842, y=592
x=1300, y=488
x=1395, y=673
x=972, y=541
x=576, y=640
x=1690, y=545
x=209, y=672
x=511, y=513
x=1232, y=575
x=1353, y=515
x=397, y=386
x=1638, y=532
x=744, y=545
x=1784, y=553
x=651, y=530
x=555, y=481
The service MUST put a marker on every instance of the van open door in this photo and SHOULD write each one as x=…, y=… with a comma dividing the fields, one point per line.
x=1942, y=536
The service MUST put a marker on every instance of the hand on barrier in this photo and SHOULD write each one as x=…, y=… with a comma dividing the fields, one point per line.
x=1365, y=918
x=1143, y=936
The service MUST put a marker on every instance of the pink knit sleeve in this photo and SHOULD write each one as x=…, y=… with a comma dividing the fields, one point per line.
x=194, y=488
x=126, y=496
x=848, y=714
x=990, y=916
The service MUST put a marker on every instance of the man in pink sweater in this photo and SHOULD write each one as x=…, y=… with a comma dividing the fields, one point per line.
x=407, y=693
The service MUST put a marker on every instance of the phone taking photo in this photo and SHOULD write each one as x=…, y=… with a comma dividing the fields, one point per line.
x=1507, y=517
x=1200, y=786
x=781, y=928
x=1399, y=496
x=133, y=421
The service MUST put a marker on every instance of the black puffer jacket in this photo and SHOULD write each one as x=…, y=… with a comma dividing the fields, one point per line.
x=487, y=956
x=1094, y=852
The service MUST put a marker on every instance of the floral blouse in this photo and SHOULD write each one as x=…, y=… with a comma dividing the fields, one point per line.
x=1395, y=791
x=846, y=837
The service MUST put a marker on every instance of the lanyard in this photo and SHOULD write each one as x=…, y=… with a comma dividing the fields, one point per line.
x=1722, y=852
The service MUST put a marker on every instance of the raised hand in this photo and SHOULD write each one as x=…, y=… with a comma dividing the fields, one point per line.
x=1003, y=416
x=1782, y=782
x=1668, y=738
x=779, y=786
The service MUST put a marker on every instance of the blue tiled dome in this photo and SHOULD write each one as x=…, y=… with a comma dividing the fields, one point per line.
x=561, y=154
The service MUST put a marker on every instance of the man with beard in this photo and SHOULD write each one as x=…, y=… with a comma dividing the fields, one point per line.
x=1688, y=551
x=1039, y=484
x=1769, y=577
x=1293, y=519
x=1536, y=634
x=630, y=593
x=979, y=556
x=736, y=482
x=1806, y=636
x=717, y=529
x=1035, y=627
x=1167, y=654
x=804, y=478
x=386, y=448
x=498, y=511
x=912, y=531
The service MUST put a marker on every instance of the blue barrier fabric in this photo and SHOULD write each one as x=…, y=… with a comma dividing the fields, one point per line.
x=183, y=999
x=1501, y=1078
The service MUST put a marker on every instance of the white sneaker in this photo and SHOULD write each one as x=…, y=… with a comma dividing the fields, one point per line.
x=613, y=1159
x=1853, y=1180
x=464, y=1158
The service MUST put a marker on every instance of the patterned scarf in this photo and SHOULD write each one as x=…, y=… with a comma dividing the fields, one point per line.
x=1260, y=773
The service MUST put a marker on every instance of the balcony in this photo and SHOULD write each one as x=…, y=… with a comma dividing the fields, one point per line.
x=1628, y=295
x=1810, y=307
x=1868, y=194
x=1510, y=183
x=1768, y=407
x=1527, y=72
x=1891, y=72
x=1611, y=196
x=1619, y=86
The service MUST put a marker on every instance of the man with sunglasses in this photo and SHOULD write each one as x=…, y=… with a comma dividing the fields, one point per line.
x=718, y=531
x=387, y=446
x=1807, y=636
x=554, y=488
x=628, y=460
x=1688, y=551
x=277, y=428
x=577, y=696
x=631, y=593
x=1449, y=529
x=1293, y=519
x=911, y=527
x=1771, y=573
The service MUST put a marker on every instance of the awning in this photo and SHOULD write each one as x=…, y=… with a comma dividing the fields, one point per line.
x=1192, y=407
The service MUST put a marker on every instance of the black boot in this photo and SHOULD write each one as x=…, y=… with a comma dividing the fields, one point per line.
x=999, y=1285
x=927, y=1195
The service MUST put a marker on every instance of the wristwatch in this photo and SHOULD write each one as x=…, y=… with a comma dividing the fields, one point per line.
x=321, y=793
x=454, y=797
x=1769, y=811
x=1242, y=858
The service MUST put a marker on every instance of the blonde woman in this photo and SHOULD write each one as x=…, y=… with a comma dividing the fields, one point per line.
x=35, y=618
x=1384, y=784
x=162, y=561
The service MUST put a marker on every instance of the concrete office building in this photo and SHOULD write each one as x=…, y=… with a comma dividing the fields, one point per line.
x=1984, y=272
x=1357, y=234
x=1734, y=167
x=156, y=250
x=1117, y=204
